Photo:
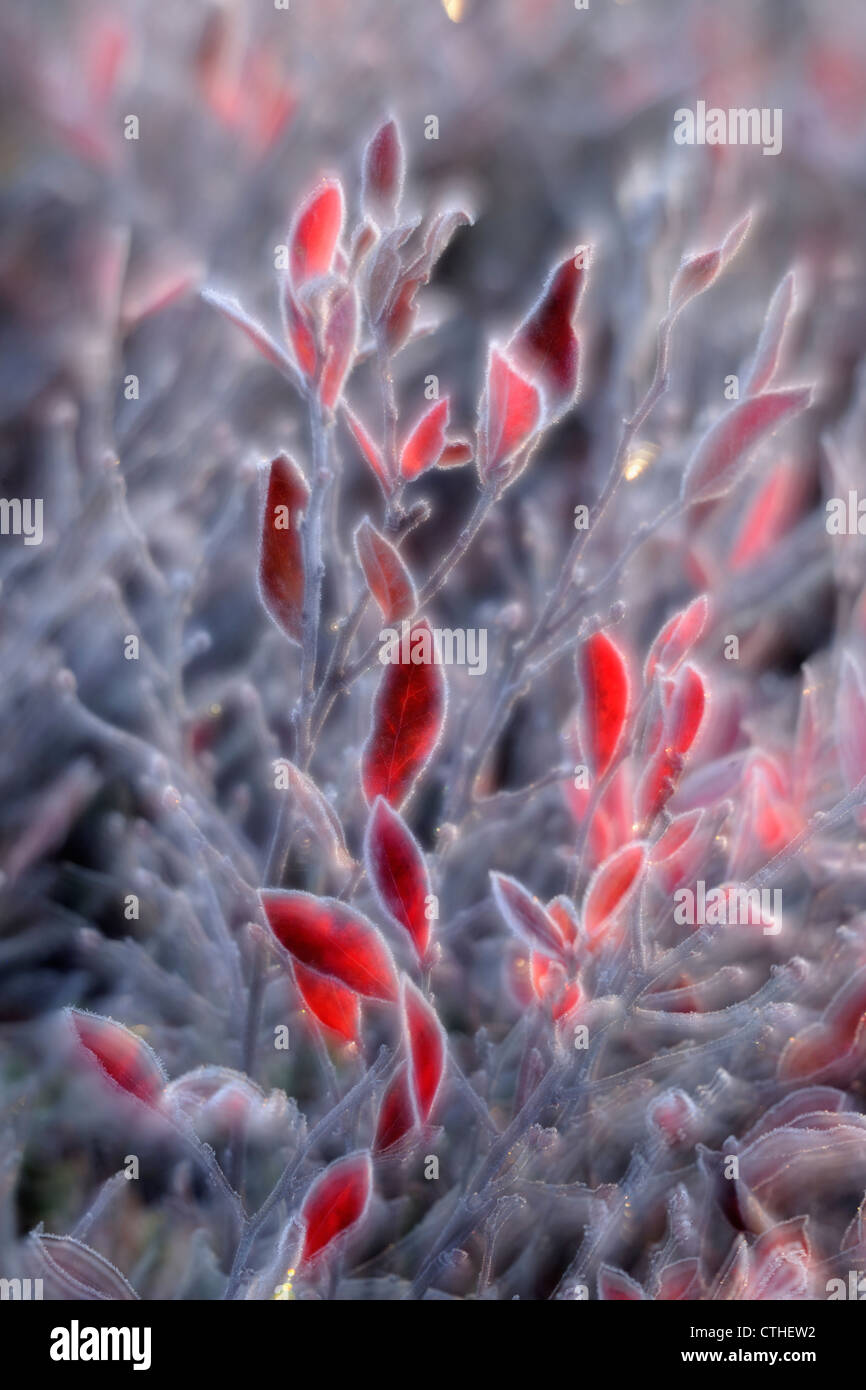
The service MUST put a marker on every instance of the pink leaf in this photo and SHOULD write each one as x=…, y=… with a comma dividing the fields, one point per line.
x=253, y=330
x=851, y=721
x=676, y=639
x=336, y=1203
x=341, y=336
x=408, y=714
x=387, y=577
x=80, y=1273
x=424, y=445
x=604, y=702
x=722, y=454
x=383, y=173
x=425, y=1037
x=510, y=414
x=334, y=939
x=315, y=232
x=769, y=514
x=281, y=560
x=398, y=873
x=123, y=1058
x=371, y=452
x=611, y=888
x=616, y=1286
x=769, y=348
x=526, y=916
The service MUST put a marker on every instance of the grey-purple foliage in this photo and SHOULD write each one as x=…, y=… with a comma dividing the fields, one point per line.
x=527, y=960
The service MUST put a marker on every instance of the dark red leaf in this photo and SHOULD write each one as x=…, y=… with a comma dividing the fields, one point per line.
x=724, y=450
x=383, y=173
x=526, y=916
x=398, y=873
x=424, y=445
x=510, y=413
x=408, y=713
x=281, y=560
x=397, y=1115
x=334, y=939
x=425, y=1037
x=387, y=577
x=337, y=1007
x=336, y=1203
x=456, y=453
x=605, y=693
x=125, y=1059
x=546, y=345
x=611, y=888
x=315, y=232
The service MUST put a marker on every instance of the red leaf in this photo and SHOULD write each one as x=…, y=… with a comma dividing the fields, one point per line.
x=456, y=453
x=334, y=939
x=546, y=344
x=398, y=873
x=336, y=1203
x=408, y=713
x=387, y=577
x=341, y=336
x=426, y=1040
x=123, y=1057
x=657, y=785
x=424, y=445
x=719, y=459
x=676, y=639
x=686, y=711
x=315, y=232
x=281, y=560
x=397, y=1114
x=337, y=1007
x=605, y=700
x=766, y=358
x=510, y=413
x=526, y=916
x=610, y=889
x=299, y=331
x=370, y=451
x=383, y=173
x=565, y=917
